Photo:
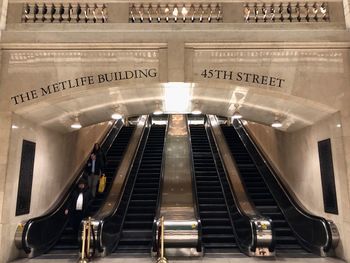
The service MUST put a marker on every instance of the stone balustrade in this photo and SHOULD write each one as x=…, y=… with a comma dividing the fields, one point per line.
x=64, y=13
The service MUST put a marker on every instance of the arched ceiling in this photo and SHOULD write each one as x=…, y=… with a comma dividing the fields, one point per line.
x=96, y=105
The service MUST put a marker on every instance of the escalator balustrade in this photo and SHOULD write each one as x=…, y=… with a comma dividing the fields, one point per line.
x=285, y=241
x=69, y=238
x=217, y=231
x=136, y=235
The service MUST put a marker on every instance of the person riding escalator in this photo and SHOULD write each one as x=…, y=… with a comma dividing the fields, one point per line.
x=78, y=206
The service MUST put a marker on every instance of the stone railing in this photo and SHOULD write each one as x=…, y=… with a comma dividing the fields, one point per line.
x=64, y=13
x=285, y=12
x=255, y=12
x=173, y=13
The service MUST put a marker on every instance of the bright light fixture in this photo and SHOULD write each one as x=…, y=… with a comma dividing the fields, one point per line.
x=339, y=125
x=158, y=110
x=14, y=126
x=236, y=114
x=276, y=124
x=177, y=97
x=76, y=124
x=117, y=116
x=196, y=110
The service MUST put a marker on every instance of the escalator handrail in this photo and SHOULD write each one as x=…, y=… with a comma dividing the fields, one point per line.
x=112, y=209
x=115, y=209
x=160, y=191
x=60, y=202
x=194, y=190
x=244, y=204
x=242, y=214
x=242, y=131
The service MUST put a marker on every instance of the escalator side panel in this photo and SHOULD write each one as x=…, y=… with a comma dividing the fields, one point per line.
x=217, y=232
x=69, y=239
x=259, y=193
x=136, y=235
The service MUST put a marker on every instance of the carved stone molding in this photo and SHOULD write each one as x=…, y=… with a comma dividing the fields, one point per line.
x=83, y=56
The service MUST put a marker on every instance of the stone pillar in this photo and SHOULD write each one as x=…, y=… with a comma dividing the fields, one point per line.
x=5, y=127
x=346, y=4
x=176, y=61
x=3, y=14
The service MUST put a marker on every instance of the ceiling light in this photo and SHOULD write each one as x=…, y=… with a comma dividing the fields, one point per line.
x=158, y=110
x=276, y=124
x=196, y=110
x=339, y=125
x=236, y=113
x=76, y=124
x=117, y=115
x=14, y=126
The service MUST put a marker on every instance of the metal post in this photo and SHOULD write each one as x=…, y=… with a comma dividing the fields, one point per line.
x=88, y=237
x=162, y=259
x=83, y=239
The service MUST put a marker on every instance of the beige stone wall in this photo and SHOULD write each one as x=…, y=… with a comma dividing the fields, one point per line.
x=5, y=120
x=296, y=156
x=56, y=160
x=84, y=140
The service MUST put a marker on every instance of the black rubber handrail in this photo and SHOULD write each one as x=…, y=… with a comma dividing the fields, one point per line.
x=38, y=234
x=160, y=191
x=194, y=192
x=243, y=228
x=313, y=232
x=112, y=225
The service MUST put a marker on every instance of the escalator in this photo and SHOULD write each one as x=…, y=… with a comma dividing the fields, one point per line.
x=136, y=233
x=285, y=240
x=217, y=228
x=52, y=233
x=68, y=240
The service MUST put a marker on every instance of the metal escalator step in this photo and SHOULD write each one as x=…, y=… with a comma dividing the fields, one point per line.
x=290, y=248
x=133, y=249
x=208, y=194
x=280, y=231
x=212, y=207
x=212, y=200
x=137, y=233
x=220, y=245
x=213, y=214
x=131, y=241
x=264, y=202
x=267, y=208
x=285, y=239
x=66, y=247
x=145, y=196
x=279, y=223
x=222, y=237
x=216, y=229
x=208, y=222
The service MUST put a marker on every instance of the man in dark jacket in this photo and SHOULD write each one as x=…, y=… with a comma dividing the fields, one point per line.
x=79, y=204
x=94, y=171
